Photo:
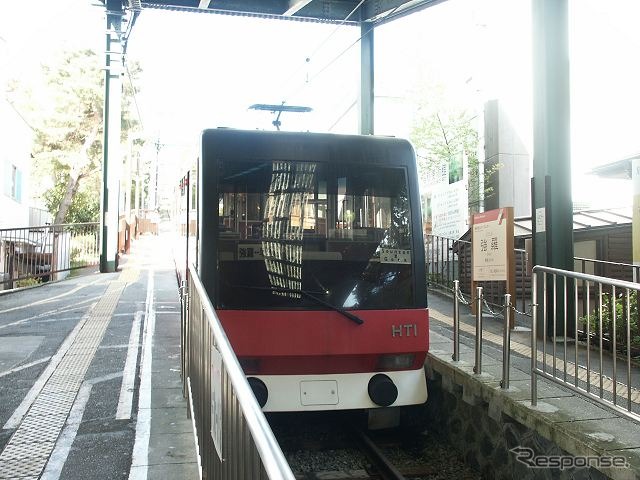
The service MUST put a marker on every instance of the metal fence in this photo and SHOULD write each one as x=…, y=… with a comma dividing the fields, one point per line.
x=233, y=437
x=449, y=260
x=611, y=314
x=590, y=346
x=40, y=254
x=603, y=268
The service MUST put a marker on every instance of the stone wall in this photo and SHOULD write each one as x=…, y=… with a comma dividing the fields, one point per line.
x=484, y=438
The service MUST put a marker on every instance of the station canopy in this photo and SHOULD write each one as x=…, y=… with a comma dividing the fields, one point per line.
x=324, y=11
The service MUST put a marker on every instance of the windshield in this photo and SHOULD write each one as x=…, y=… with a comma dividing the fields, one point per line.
x=340, y=232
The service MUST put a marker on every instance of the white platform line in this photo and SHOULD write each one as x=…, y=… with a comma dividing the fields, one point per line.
x=48, y=314
x=63, y=446
x=61, y=451
x=140, y=456
x=125, y=401
x=51, y=299
x=24, y=367
x=20, y=412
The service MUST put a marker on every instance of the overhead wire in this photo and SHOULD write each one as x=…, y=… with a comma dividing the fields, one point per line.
x=334, y=60
x=337, y=57
x=359, y=39
x=321, y=45
x=133, y=94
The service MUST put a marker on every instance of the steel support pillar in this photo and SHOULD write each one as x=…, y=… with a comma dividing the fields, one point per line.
x=112, y=157
x=551, y=187
x=635, y=226
x=365, y=101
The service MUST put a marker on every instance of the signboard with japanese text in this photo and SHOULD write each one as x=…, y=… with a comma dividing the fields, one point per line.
x=251, y=251
x=449, y=210
x=491, y=245
x=446, y=197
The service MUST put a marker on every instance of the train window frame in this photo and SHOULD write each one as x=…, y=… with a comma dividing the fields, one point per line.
x=327, y=195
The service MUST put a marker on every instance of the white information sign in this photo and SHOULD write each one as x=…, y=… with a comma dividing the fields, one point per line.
x=490, y=255
x=449, y=210
x=541, y=220
x=216, y=399
x=251, y=251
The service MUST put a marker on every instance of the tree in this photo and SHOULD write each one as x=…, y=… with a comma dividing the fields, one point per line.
x=66, y=112
x=445, y=132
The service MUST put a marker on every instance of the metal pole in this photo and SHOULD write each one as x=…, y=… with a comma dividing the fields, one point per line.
x=506, y=343
x=477, y=369
x=551, y=132
x=456, y=321
x=366, y=79
x=112, y=160
x=614, y=344
x=534, y=339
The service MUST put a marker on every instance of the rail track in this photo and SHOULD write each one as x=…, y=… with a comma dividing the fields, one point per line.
x=336, y=446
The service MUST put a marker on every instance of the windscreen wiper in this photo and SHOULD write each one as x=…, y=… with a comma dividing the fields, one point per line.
x=310, y=295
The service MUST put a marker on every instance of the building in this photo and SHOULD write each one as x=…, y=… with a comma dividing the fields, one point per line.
x=15, y=168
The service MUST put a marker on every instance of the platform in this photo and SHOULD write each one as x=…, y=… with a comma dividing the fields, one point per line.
x=575, y=424
x=90, y=375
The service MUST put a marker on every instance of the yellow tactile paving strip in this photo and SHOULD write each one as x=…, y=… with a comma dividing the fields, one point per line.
x=525, y=350
x=28, y=450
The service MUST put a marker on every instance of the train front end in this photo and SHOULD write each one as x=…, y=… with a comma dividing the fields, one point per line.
x=310, y=247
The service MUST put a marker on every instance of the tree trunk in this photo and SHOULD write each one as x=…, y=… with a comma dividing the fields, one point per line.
x=75, y=175
x=70, y=190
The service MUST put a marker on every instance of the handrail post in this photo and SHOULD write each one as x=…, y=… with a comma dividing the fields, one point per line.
x=477, y=368
x=506, y=343
x=534, y=338
x=184, y=311
x=456, y=321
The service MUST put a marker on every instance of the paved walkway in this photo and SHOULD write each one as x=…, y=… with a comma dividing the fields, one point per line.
x=576, y=424
x=521, y=345
x=90, y=375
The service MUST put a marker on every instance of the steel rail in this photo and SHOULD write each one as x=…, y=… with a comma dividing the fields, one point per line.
x=385, y=468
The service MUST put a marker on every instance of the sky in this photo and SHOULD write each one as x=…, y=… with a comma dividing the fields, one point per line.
x=203, y=71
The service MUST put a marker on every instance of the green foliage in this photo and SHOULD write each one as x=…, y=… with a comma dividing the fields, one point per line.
x=445, y=131
x=28, y=282
x=84, y=208
x=65, y=109
x=621, y=320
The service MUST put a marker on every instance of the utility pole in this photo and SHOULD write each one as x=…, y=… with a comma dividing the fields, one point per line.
x=154, y=176
x=112, y=159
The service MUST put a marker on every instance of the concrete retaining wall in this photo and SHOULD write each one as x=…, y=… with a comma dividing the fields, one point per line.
x=484, y=436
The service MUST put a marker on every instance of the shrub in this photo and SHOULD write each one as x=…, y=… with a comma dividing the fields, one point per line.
x=621, y=320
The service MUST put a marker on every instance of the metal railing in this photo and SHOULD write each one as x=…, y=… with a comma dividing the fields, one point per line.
x=39, y=254
x=449, y=260
x=477, y=368
x=603, y=268
x=615, y=306
x=479, y=303
x=233, y=437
